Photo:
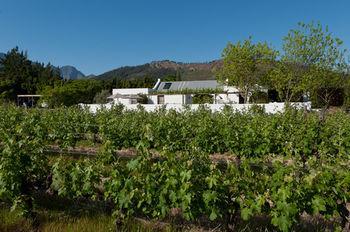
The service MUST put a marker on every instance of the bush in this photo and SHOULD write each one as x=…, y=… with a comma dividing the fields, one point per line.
x=202, y=99
x=101, y=97
x=283, y=165
x=143, y=99
x=259, y=97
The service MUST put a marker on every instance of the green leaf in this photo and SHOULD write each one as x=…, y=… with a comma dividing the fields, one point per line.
x=213, y=215
x=318, y=204
x=246, y=213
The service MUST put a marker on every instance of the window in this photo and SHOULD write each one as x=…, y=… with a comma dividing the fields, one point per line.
x=167, y=86
x=160, y=99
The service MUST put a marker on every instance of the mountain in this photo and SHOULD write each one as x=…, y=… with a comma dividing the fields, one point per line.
x=161, y=69
x=71, y=73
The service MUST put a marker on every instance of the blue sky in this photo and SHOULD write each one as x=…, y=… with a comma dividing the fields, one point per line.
x=99, y=35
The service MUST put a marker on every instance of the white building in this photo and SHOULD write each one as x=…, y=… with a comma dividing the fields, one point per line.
x=178, y=92
x=128, y=96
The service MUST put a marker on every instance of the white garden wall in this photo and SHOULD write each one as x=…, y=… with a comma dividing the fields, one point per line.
x=269, y=107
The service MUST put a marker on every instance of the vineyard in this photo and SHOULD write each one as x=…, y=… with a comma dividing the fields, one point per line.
x=190, y=166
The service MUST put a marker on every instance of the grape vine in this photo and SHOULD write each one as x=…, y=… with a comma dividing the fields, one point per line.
x=287, y=164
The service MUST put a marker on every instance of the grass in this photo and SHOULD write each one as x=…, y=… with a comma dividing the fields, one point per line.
x=56, y=214
x=99, y=223
x=51, y=221
x=11, y=221
x=56, y=221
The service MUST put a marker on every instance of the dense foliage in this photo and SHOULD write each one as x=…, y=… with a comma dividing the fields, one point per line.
x=242, y=65
x=101, y=97
x=312, y=64
x=23, y=165
x=192, y=186
x=202, y=99
x=72, y=92
x=282, y=165
x=19, y=75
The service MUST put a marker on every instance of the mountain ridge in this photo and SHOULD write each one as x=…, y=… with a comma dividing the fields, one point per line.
x=164, y=68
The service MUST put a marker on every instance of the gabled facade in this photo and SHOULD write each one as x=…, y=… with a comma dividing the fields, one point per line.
x=178, y=92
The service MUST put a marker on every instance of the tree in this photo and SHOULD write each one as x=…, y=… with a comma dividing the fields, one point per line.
x=178, y=75
x=72, y=92
x=15, y=74
x=287, y=79
x=19, y=75
x=242, y=64
x=322, y=55
x=101, y=97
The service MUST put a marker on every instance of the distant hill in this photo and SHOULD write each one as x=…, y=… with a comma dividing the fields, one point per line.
x=71, y=73
x=161, y=69
x=90, y=76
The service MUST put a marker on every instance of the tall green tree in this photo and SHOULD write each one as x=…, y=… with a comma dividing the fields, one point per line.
x=287, y=79
x=313, y=47
x=19, y=75
x=101, y=97
x=14, y=74
x=242, y=64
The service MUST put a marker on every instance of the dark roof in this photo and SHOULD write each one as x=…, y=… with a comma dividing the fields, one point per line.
x=182, y=85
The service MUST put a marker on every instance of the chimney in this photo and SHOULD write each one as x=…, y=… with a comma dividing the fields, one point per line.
x=156, y=85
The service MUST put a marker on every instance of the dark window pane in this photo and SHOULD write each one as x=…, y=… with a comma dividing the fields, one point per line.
x=167, y=85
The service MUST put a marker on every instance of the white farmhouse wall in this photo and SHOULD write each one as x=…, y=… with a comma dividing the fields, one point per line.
x=131, y=91
x=171, y=99
x=227, y=98
x=174, y=99
x=152, y=99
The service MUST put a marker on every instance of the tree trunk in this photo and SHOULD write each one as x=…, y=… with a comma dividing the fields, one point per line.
x=246, y=92
x=326, y=101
